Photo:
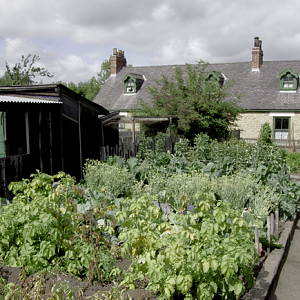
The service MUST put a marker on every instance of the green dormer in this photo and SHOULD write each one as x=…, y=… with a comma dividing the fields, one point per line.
x=288, y=80
x=215, y=76
x=132, y=83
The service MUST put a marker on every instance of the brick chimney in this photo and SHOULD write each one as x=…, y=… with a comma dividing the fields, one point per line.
x=257, y=54
x=117, y=61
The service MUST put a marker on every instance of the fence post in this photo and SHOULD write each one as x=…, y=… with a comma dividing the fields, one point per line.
x=123, y=150
x=107, y=151
x=133, y=150
x=103, y=153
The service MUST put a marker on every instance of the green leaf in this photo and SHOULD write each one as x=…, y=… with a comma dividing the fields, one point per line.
x=206, y=266
x=238, y=288
x=214, y=264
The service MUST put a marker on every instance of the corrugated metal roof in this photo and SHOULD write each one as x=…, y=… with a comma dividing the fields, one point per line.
x=27, y=100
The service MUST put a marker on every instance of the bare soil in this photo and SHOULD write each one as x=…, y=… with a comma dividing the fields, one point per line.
x=83, y=288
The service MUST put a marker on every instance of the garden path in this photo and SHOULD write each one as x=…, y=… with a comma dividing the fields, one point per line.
x=288, y=286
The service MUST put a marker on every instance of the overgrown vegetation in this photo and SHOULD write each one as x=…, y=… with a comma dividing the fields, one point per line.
x=185, y=220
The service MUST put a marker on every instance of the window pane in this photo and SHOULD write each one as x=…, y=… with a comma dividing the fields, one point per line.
x=285, y=123
x=281, y=135
x=277, y=123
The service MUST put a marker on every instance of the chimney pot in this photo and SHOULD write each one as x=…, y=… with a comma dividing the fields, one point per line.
x=117, y=61
x=257, y=54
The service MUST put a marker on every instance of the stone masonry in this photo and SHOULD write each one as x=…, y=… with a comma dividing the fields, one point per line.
x=250, y=124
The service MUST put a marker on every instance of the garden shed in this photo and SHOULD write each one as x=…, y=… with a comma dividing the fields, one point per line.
x=49, y=128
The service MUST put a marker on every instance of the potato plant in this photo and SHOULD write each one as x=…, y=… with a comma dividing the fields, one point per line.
x=196, y=256
x=43, y=229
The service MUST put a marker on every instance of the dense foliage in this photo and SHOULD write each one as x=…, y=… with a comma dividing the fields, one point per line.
x=294, y=161
x=56, y=228
x=198, y=104
x=186, y=220
x=198, y=255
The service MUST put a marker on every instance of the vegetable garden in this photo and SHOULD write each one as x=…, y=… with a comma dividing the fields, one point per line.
x=179, y=218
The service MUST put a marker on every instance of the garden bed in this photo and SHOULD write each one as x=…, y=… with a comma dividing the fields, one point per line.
x=206, y=251
x=85, y=290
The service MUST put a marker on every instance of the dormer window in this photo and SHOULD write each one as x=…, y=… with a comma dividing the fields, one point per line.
x=132, y=83
x=215, y=77
x=288, y=80
x=130, y=87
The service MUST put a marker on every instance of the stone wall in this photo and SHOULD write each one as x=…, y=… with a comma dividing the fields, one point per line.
x=250, y=124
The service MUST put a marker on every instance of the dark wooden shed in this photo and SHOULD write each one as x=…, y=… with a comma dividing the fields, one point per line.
x=50, y=128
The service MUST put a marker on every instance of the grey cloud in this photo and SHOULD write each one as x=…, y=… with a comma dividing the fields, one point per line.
x=157, y=31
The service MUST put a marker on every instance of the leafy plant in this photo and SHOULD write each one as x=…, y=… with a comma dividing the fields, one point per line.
x=265, y=136
x=43, y=229
x=110, y=179
x=199, y=255
x=293, y=159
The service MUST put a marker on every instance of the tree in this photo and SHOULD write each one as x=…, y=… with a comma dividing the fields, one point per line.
x=200, y=105
x=23, y=73
x=104, y=74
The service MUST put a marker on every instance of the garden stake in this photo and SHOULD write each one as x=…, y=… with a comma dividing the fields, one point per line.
x=268, y=234
x=272, y=224
x=256, y=239
x=277, y=221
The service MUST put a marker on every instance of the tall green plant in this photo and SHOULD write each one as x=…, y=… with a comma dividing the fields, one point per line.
x=265, y=136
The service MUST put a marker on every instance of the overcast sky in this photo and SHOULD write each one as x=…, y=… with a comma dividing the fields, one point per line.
x=73, y=37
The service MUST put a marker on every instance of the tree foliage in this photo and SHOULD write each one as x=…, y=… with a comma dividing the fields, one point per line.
x=24, y=72
x=90, y=88
x=200, y=105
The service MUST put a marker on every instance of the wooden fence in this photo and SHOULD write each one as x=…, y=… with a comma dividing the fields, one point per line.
x=128, y=149
x=288, y=145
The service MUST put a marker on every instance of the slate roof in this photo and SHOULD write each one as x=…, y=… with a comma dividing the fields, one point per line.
x=260, y=89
